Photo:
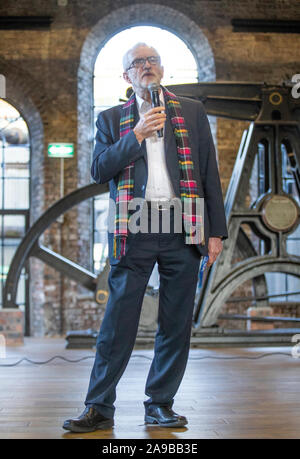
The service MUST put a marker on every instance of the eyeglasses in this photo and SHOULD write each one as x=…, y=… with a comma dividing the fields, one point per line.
x=141, y=61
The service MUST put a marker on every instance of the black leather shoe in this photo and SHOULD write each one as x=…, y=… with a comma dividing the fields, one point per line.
x=164, y=416
x=88, y=421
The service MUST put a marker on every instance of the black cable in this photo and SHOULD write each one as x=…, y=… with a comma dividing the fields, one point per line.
x=25, y=359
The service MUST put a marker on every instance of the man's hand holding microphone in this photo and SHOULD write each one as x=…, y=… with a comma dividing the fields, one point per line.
x=153, y=120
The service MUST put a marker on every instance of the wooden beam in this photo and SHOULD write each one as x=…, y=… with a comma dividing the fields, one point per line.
x=265, y=25
x=25, y=22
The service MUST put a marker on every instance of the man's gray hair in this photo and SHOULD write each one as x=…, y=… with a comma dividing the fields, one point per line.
x=126, y=61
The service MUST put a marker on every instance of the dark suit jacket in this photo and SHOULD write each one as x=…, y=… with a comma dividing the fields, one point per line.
x=112, y=154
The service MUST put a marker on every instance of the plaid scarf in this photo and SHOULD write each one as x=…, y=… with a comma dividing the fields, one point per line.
x=188, y=186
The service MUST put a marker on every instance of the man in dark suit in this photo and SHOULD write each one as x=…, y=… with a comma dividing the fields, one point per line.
x=158, y=175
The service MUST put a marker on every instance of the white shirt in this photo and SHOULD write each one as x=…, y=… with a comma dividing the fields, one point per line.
x=159, y=186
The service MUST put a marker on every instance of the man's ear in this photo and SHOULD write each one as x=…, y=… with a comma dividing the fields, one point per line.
x=126, y=77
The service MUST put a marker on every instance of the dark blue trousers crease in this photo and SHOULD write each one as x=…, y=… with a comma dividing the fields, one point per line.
x=178, y=266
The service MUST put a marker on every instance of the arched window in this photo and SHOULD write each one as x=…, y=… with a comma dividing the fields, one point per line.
x=110, y=89
x=14, y=191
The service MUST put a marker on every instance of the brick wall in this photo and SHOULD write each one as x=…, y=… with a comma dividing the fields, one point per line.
x=11, y=328
x=49, y=75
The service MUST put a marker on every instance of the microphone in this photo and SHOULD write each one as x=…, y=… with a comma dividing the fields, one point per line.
x=153, y=88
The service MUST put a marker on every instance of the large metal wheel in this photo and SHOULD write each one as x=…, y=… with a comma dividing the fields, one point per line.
x=31, y=247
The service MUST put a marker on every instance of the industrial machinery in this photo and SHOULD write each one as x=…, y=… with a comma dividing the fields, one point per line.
x=260, y=196
x=262, y=201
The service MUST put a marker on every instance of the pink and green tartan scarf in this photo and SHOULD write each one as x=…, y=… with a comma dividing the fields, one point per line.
x=188, y=185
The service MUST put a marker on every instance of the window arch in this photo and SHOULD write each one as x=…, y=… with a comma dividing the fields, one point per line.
x=110, y=89
x=14, y=192
x=109, y=86
x=162, y=16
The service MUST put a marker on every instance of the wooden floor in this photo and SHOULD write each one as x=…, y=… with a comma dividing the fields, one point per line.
x=221, y=398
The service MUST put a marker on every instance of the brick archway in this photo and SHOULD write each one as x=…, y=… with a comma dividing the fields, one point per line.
x=139, y=14
x=121, y=19
x=23, y=93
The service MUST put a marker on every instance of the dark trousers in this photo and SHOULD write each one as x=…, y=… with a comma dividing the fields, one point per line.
x=178, y=265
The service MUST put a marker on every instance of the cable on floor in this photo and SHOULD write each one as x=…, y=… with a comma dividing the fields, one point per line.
x=25, y=359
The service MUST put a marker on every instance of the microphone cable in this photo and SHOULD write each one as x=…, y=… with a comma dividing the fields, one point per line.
x=45, y=362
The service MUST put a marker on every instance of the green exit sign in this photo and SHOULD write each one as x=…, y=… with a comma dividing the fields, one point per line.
x=61, y=150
